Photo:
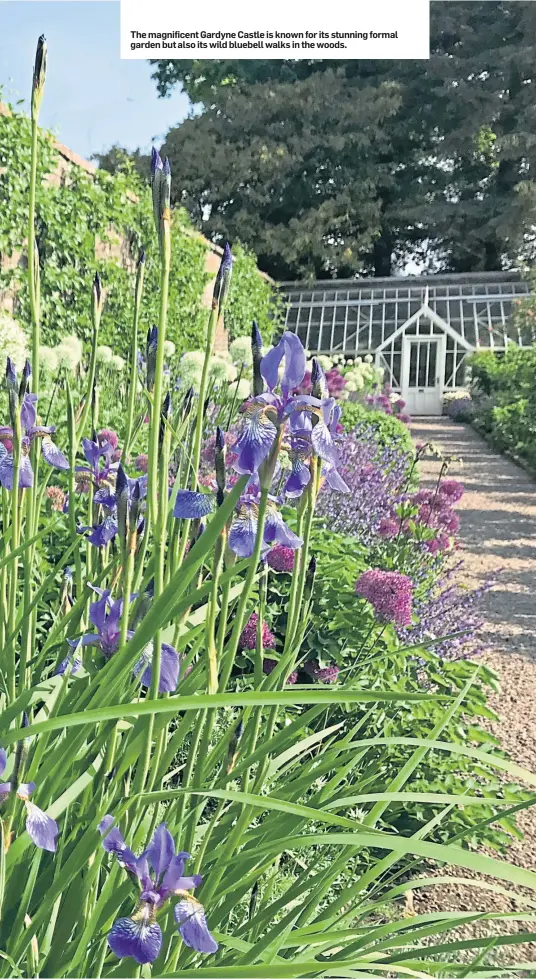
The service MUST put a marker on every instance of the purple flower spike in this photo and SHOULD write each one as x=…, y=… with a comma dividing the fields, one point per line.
x=42, y=829
x=192, y=506
x=3, y=761
x=136, y=938
x=193, y=928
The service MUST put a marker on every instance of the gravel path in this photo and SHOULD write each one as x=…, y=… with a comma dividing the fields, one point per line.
x=498, y=538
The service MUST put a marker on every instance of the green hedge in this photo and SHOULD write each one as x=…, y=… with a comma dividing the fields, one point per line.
x=505, y=395
x=390, y=431
x=70, y=219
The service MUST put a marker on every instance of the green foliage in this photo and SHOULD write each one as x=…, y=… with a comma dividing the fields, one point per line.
x=251, y=298
x=507, y=410
x=390, y=431
x=448, y=171
x=85, y=213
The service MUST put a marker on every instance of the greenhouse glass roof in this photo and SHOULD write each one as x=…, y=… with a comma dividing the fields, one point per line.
x=359, y=315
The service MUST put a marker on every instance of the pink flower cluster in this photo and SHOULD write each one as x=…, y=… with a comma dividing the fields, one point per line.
x=435, y=511
x=324, y=674
x=248, y=636
x=383, y=402
x=334, y=380
x=390, y=594
x=269, y=665
x=56, y=497
x=281, y=558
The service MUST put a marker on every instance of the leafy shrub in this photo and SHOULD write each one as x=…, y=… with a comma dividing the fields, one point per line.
x=389, y=430
x=505, y=398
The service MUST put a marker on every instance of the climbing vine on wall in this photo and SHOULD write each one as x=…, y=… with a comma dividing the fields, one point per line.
x=81, y=223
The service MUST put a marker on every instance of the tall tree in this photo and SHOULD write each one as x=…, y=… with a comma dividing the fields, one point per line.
x=450, y=171
x=291, y=169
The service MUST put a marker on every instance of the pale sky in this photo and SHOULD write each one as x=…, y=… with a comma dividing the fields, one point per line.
x=92, y=98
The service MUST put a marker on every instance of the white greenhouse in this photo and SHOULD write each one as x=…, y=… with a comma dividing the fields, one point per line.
x=419, y=329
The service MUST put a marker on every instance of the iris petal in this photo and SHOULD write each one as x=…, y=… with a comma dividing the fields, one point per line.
x=161, y=850
x=192, y=506
x=136, y=939
x=52, y=454
x=243, y=532
x=255, y=441
x=169, y=668
x=193, y=928
x=42, y=829
x=3, y=760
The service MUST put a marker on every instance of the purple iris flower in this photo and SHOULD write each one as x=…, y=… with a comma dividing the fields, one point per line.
x=159, y=874
x=105, y=615
x=243, y=532
x=31, y=430
x=41, y=829
x=105, y=480
x=268, y=414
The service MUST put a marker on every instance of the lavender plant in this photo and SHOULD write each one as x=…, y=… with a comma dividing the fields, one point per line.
x=126, y=711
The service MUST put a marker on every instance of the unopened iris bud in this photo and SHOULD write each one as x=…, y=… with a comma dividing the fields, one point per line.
x=142, y=259
x=253, y=899
x=12, y=391
x=220, y=465
x=223, y=280
x=164, y=415
x=39, y=75
x=135, y=507
x=165, y=199
x=96, y=298
x=11, y=374
x=318, y=381
x=152, y=346
x=256, y=353
x=187, y=403
x=24, y=383
x=232, y=754
x=121, y=498
x=310, y=579
x=157, y=173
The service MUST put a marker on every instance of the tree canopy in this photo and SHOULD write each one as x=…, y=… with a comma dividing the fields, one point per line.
x=330, y=168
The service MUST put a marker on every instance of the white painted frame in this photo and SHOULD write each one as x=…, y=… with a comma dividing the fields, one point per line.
x=441, y=341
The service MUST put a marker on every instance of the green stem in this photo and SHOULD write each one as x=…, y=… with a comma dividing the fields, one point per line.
x=133, y=354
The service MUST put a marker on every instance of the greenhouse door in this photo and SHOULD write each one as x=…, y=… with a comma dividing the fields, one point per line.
x=423, y=368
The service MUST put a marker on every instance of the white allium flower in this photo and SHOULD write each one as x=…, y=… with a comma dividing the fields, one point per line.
x=169, y=348
x=75, y=343
x=240, y=351
x=351, y=385
x=117, y=363
x=368, y=358
x=68, y=356
x=326, y=363
x=104, y=354
x=13, y=342
x=48, y=358
x=221, y=371
x=359, y=360
x=192, y=359
x=242, y=389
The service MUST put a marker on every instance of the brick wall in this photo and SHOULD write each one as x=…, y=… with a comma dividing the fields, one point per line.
x=116, y=249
